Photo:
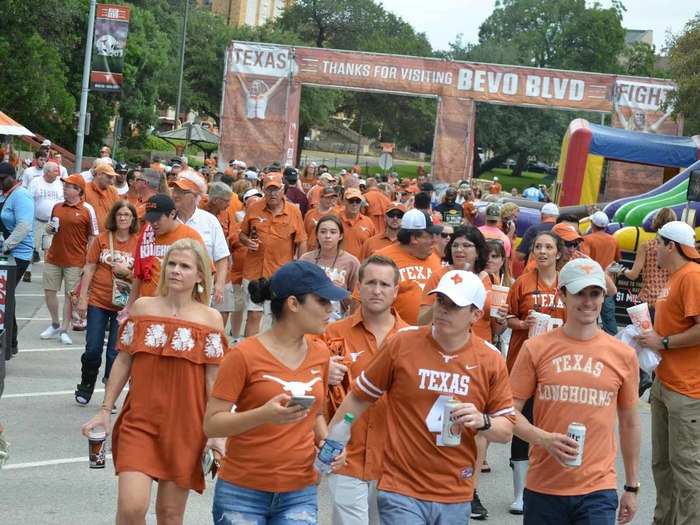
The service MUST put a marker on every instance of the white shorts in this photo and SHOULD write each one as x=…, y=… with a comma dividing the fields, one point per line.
x=354, y=500
x=226, y=305
x=250, y=305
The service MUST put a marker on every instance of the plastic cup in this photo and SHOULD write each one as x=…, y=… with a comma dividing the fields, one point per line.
x=640, y=317
x=96, y=441
x=542, y=324
x=499, y=297
x=555, y=322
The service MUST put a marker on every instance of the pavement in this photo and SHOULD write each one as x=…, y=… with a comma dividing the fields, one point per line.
x=47, y=479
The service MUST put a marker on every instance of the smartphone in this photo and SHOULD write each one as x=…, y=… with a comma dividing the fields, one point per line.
x=303, y=401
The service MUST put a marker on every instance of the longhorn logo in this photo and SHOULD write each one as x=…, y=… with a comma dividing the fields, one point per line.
x=447, y=358
x=355, y=355
x=296, y=388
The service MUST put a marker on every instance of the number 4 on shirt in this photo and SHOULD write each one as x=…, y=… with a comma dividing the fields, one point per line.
x=434, y=418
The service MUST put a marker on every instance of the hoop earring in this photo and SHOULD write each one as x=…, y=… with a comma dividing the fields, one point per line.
x=200, y=288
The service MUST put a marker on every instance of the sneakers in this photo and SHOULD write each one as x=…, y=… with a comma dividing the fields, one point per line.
x=50, y=332
x=479, y=512
x=27, y=277
x=65, y=338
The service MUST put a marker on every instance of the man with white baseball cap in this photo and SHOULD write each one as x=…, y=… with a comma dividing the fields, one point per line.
x=675, y=394
x=549, y=213
x=424, y=480
x=578, y=374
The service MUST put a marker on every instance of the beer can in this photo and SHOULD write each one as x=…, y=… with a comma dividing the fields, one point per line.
x=451, y=435
x=577, y=432
x=54, y=224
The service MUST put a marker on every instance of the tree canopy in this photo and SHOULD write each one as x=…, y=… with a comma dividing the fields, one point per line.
x=684, y=58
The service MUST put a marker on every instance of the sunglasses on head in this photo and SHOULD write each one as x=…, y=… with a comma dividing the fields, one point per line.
x=572, y=244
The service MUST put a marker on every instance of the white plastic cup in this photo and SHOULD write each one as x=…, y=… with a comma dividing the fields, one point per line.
x=499, y=297
x=640, y=317
x=542, y=324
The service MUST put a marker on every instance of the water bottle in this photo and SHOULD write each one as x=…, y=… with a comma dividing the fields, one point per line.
x=337, y=438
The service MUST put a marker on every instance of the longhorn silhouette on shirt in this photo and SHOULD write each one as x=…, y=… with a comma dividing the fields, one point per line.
x=296, y=388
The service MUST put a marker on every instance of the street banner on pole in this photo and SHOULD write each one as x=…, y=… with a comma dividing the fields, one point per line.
x=109, y=46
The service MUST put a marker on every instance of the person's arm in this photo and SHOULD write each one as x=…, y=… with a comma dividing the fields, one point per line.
x=634, y=273
x=684, y=339
x=320, y=429
x=559, y=446
x=352, y=404
x=220, y=279
x=24, y=220
x=610, y=287
x=630, y=439
x=301, y=249
x=134, y=293
x=85, y=281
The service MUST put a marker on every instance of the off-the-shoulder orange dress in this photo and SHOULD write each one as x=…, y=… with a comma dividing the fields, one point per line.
x=159, y=430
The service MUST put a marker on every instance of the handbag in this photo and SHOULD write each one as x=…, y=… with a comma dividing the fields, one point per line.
x=121, y=288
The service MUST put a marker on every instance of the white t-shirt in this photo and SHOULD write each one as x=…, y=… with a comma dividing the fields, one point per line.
x=45, y=196
x=87, y=175
x=30, y=173
x=64, y=172
x=209, y=227
x=123, y=190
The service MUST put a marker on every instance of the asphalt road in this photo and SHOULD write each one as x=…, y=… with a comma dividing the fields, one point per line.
x=47, y=479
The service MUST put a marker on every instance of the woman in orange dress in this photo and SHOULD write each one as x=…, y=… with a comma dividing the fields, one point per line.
x=170, y=349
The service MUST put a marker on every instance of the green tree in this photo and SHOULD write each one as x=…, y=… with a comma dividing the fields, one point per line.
x=639, y=59
x=684, y=65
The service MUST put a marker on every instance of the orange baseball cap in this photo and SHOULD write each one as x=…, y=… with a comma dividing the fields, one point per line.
x=567, y=232
x=190, y=181
x=105, y=169
x=396, y=206
x=76, y=179
x=352, y=193
x=273, y=179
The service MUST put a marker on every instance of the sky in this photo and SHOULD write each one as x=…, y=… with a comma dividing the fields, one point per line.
x=443, y=20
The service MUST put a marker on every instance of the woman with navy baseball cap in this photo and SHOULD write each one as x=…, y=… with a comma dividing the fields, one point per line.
x=277, y=381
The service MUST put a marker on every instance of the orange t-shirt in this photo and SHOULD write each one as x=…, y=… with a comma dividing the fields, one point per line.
x=236, y=204
x=416, y=378
x=374, y=244
x=358, y=345
x=150, y=252
x=677, y=305
x=311, y=220
x=314, y=196
x=413, y=276
x=482, y=327
x=495, y=188
x=576, y=381
x=278, y=236
x=355, y=232
x=238, y=252
x=101, y=200
x=76, y=223
x=272, y=458
x=377, y=204
x=602, y=248
x=530, y=293
x=470, y=211
x=100, y=255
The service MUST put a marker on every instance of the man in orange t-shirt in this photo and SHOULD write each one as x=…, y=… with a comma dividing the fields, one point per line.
x=675, y=394
x=495, y=187
x=394, y=214
x=357, y=228
x=101, y=194
x=416, y=372
x=413, y=254
x=377, y=205
x=578, y=373
x=358, y=339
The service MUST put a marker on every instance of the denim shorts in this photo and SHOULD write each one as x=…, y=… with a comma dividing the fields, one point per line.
x=236, y=505
x=398, y=509
x=596, y=508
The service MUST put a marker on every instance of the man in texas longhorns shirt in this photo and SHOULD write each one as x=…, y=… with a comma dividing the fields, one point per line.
x=416, y=372
x=578, y=373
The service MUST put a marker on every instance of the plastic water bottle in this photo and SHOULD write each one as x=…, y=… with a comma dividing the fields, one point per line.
x=338, y=437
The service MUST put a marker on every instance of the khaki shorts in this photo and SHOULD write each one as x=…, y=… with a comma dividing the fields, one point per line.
x=238, y=298
x=250, y=305
x=226, y=305
x=54, y=275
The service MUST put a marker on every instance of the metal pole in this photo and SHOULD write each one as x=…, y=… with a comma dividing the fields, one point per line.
x=80, y=141
x=182, y=64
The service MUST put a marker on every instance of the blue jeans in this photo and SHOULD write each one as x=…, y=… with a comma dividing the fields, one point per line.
x=596, y=508
x=397, y=509
x=234, y=504
x=99, y=321
x=607, y=315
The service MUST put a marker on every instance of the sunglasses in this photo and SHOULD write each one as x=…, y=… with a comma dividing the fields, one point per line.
x=394, y=215
x=445, y=235
x=354, y=201
x=571, y=244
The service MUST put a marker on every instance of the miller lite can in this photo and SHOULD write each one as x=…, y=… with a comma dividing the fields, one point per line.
x=577, y=432
x=451, y=435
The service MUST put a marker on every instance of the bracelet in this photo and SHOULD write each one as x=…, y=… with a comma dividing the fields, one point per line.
x=104, y=406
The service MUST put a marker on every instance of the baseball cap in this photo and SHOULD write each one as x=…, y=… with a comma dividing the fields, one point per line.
x=417, y=220
x=46, y=143
x=328, y=190
x=291, y=174
x=577, y=274
x=327, y=177
x=550, y=209
x=219, y=189
x=495, y=178
x=427, y=186
x=302, y=277
x=251, y=175
x=272, y=179
x=238, y=164
x=683, y=235
x=190, y=181
x=463, y=288
x=105, y=169
x=76, y=179
x=157, y=206
x=493, y=211
x=566, y=231
x=396, y=206
x=352, y=193
x=253, y=192
x=600, y=219
x=122, y=167
x=363, y=182
x=7, y=169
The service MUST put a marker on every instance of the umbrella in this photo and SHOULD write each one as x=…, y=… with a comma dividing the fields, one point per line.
x=194, y=133
x=10, y=127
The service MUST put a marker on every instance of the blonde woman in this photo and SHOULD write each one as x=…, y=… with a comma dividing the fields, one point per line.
x=170, y=349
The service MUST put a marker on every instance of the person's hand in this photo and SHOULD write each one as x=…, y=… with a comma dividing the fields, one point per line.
x=503, y=311
x=101, y=419
x=121, y=270
x=252, y=245
x=123, y=315
x=49, y=229
x=650, y=339
x=277, y=412
x=628, y=507
x=82, y=307
x=340, y=460
x=560, y=447
x=218, y=296
x=466, y=414
x=336, y=370
x=218, y=445
x=530, y=320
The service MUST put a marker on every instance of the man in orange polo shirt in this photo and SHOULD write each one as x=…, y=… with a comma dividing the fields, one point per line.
x=414, y=255
x=273, y=232
x=146, y=184
x=358, y=338
x=675, y=395
x=377, y=204
x=101, y=194
x=314, y=195
x=394, y=214
x=326, y=206
x=357, y=228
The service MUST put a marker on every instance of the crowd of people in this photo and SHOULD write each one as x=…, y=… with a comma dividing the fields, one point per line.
x=227, y=297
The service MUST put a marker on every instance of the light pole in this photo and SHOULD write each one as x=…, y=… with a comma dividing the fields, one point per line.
x=80, y=141
x=182, y=64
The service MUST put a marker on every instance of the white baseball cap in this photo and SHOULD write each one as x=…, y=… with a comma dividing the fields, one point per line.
x=683, y=235
x=253, y=192
x=463, y=288
x=417, y=220
x=251, y=175
x=550, y=209
x=580, y=273
x=600, y=219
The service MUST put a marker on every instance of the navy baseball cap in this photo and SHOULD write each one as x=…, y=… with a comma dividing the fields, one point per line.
x=302, y=277
x=157, y=206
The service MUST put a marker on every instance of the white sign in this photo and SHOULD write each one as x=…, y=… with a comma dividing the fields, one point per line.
x=641, y=95
x=262, y=60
